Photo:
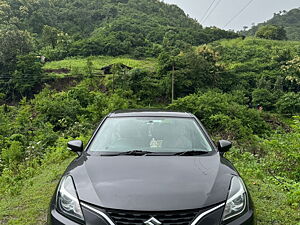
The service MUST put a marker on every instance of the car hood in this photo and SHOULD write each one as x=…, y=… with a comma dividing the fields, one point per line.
x=152, y=183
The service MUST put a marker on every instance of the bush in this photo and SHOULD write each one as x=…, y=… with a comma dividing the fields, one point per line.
x=27, y=75
x=289, y=104
x=271, y=32
x=263, y=97
x=104, y=104
x=222, y=115
x=282, y=153
x=53, y=54
x=14, y=154
x=57, y=108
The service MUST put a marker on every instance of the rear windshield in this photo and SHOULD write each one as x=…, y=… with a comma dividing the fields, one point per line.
x=156, y=134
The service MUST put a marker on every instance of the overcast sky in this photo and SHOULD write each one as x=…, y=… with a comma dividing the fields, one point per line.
x=223, y=11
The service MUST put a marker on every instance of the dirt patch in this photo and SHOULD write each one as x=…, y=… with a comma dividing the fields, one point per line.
x=64, y=83
x=58, y=71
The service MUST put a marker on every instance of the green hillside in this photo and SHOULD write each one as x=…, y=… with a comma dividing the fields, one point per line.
x=172, y=63
x=79, y=66
x=103, y=27
x=290, y=21
x=83, y=28
x=220, y=83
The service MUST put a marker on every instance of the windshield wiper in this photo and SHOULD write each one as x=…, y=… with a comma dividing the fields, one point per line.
x=191, y=152
x=131, y=152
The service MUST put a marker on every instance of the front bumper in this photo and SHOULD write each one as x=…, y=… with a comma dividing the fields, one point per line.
x=94, y=215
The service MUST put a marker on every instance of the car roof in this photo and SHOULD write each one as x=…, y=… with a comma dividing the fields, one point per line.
x=150, y=113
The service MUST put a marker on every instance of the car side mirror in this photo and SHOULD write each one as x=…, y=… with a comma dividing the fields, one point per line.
x=224, y=146
x=76, y=146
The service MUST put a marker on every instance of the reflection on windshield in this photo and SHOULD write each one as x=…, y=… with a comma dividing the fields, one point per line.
x=155, y=134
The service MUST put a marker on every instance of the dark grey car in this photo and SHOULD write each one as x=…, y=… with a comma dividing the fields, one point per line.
x=151, y=167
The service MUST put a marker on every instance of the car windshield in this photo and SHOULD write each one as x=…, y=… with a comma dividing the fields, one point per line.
x=153, y=134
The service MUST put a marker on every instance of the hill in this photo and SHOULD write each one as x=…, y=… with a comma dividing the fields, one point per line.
x=104, y=27
x=78, y=66
x=289, y=20
x=221, y=82
x=60, y=29
x=218, y=82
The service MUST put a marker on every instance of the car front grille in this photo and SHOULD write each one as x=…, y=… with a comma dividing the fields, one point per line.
x=121, y=217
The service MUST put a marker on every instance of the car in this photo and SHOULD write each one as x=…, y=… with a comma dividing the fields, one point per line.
x=151, y=167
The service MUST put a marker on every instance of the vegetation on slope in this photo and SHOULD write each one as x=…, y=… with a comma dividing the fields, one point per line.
x=58, y=29
x=34, y=133
x=221, y=82
x=31, y=154
x=91, y=65
x=290, y=21
x=266, y=71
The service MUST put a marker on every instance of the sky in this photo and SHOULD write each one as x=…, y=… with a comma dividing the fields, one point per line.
x=233, y=14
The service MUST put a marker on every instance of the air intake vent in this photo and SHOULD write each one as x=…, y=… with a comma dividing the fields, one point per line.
x=121, y=217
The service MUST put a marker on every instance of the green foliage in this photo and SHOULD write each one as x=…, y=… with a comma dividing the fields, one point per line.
x=217, y=82
x=147, y=86
x=222, y=115
x=104, y=104
x=276, y=199
x=289, y=20
x=13, y=42
x=263, y=69
x=271, y=32
x=54, y=53
x=57, y=108
x=27, y=75
x=285, y=150
x=89, y=67
x=50, y=35
x=13, y=155
x=263, y=97
x=292, y=69
x=289, y=104
x=195, y=69
x=105, y=27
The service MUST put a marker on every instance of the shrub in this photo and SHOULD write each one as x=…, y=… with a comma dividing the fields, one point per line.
x=283, y=158
x=57, y=108
x=289, y=104
x=271, y=32
x=222, y=115
x=263, y=97
x=27, y=75
x=13, y=154
x=104, y=104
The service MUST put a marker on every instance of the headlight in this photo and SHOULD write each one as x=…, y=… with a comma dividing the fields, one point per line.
x=237, y=199
x=67, y=200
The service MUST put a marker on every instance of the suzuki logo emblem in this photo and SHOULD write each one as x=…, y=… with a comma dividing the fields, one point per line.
x=152, y=221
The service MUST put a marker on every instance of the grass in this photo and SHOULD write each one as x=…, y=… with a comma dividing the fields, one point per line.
x=31, y=204
x=79, y=65
x=270, y=198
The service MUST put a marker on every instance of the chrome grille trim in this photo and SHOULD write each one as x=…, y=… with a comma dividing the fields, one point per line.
x=195, y=221
x=205, y=213
x=98, y=212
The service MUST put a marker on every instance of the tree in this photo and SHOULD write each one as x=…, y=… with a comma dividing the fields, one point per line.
x=292, y=69
x=50, y=35
x=289, y=104
x=271, y=32
x=147, y=86
x=27, y=75
x=193, y=70
x=13, y=42
x=263, y=97
x=264, y=83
